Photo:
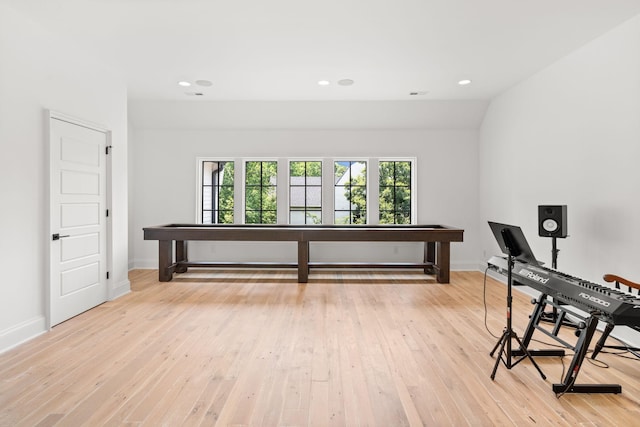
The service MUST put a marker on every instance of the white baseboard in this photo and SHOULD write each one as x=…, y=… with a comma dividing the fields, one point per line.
x=464, y=266
x=121, y=289
x=144, y=264
x=29, y=329
x=21, y=333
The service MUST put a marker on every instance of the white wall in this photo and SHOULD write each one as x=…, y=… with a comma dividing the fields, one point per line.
x=39, y=71
x=165, y=180
x=571, y=135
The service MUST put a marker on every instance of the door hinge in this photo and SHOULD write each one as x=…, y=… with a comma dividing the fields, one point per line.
x=107, y=274
x=108, y=149
x=107, y=212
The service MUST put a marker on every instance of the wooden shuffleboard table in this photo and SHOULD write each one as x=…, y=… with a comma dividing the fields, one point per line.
x=436, y=239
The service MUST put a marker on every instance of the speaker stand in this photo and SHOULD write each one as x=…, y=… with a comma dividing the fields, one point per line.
x=554, y=253
x=552, y=316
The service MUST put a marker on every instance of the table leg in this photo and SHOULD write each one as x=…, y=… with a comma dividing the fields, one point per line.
x=442, y=261
x=165, y=258
x=429, y=256
x=303, y=261
x=181, y=256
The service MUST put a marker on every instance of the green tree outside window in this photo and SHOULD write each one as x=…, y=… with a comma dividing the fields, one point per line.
x=395, y=192
x=260, y=192
x=305, y=192
x=217, y=192
x=350, y=192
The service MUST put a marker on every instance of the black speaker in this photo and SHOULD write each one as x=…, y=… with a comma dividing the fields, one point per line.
x=552, y=221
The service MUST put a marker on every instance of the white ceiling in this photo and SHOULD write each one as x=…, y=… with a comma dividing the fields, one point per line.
x=278, y=49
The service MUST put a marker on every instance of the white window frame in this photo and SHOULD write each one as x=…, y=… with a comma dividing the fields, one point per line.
x=322, y=185
x=278, y=186
x=328, y=185
x=200, y=183
x=367, y=162
x=414, y=182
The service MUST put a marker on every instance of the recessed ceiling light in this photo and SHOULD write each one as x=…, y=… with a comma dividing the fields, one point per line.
x=324, y=82
x=345, y=82
x=184, y=83
x=464, y=82
x=204, y=83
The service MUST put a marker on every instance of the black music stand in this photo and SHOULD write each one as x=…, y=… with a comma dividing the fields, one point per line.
x=513, y=244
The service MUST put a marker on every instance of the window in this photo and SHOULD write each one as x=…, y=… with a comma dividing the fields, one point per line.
x=350, y=192
x=395, y=192
x=305, y=192
x=217, y=192
x=260, y=192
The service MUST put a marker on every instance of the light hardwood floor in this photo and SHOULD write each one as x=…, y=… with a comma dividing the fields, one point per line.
x=256, y=348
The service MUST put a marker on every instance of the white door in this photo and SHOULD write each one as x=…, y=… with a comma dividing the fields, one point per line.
x=78, y=255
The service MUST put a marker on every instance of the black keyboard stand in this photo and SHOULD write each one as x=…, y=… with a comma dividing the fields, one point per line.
x=600, y=344
x=585, y=329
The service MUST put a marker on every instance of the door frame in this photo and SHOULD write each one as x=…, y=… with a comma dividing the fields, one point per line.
x=51, y=115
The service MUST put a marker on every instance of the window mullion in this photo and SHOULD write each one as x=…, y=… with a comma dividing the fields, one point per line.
x=373, y=191
x=328, y=197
